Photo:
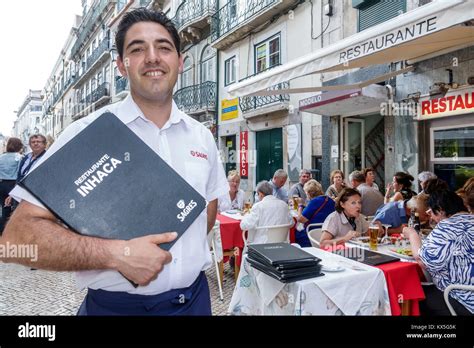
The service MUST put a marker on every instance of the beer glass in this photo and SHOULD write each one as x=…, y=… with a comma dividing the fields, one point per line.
x=373, y=236
x=295, y=202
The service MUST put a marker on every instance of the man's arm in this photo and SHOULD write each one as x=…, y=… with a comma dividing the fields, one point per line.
x=211, y=214
x=60, y=249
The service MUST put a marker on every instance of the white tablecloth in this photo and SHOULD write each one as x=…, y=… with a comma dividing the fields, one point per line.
x=358, y=290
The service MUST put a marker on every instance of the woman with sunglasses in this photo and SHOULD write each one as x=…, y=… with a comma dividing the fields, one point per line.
x=447, y=254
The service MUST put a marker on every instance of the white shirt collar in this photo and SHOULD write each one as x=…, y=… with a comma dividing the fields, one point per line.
x=129, y=111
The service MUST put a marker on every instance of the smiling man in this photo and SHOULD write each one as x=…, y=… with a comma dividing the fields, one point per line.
x=172, y=283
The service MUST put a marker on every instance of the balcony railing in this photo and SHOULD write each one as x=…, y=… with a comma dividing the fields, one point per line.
x=190, y=10
x=102, y=91
x=88, y=24
x=83, y=108
x=197, y=97
x=234, y=13
x=121, y=84
x=252, y=103
x=104, y=46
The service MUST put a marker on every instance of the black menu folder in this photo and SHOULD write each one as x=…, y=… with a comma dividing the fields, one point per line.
x=284, y=262
x=106, y=182
x=281, y=254
x=365, y=256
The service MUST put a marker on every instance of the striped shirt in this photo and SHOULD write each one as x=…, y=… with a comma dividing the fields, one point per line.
x=448, y=254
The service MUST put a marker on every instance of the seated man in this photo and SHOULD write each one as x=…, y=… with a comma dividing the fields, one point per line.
x=397, y=213
x=298, y=188
x=371, y=198
x=268, y=211
x=278, y=183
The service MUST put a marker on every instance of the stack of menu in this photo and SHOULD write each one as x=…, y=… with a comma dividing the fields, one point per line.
x=284, y=261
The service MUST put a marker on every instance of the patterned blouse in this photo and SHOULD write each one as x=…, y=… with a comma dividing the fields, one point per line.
x=448, y=254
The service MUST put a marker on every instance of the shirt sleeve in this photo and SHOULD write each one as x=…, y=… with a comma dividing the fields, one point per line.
x=330, y=225
x=310, y=209
x=250, y=220
x=436, y=250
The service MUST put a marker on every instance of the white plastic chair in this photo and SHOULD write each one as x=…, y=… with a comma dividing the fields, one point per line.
x=274, y=234
x=215, y=242
x=455, y=287
x=314, y=232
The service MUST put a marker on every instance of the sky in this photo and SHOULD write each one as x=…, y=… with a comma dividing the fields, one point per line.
x=33, y=34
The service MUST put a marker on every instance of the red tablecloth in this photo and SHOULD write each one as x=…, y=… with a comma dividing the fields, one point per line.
x=403, y=283
x=231, y=234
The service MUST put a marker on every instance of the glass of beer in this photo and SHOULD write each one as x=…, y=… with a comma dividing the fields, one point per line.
x=373, y=236
x=295, y=202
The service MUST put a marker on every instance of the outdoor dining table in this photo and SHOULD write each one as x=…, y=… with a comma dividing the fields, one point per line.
x=231, y=235
x=357, y=289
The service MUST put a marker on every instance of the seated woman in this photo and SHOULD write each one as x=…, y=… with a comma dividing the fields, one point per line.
x=337, y=184
x=318, y=208
x=446, y=254
x=467, y=194
x=401, y=186
x=346, y=222
x=235, y=198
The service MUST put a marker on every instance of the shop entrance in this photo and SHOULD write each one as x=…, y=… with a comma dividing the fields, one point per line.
x=269, y=145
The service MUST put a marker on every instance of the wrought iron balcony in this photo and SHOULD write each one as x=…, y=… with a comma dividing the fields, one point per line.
x=88, y=24
x=83, y=107
x=197, y=98
x=121, y=84
x=104, y=46
x=252, y=103
x=194, y=12
x=238, y=17
x=102, y=91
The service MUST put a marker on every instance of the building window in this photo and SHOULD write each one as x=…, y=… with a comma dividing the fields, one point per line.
x=187, y=75
x=99, y=78
x=230, y=70
x=373, y=12
x=121, y=4
x=452, y=143
x=267, y=54
x=208, y=63
x=107, y=74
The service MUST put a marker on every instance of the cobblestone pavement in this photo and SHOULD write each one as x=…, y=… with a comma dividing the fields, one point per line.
x=35, y=292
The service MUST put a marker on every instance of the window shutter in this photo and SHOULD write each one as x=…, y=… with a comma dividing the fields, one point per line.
x=371, y=13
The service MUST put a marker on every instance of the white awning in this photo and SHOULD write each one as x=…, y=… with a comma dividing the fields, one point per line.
x=437, y=27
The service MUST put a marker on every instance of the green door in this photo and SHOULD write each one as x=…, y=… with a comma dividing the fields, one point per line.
x=269, y=153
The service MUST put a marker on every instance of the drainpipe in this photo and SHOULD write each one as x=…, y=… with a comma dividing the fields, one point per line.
x=390, y=98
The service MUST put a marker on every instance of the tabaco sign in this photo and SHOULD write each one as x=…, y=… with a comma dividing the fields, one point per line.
x=244, y=163
x=453, y=103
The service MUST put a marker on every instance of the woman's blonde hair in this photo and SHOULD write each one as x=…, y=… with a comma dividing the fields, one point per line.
x=233, y=174
x=313, y=188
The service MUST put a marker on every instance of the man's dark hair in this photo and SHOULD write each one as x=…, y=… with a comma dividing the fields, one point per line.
x=144, y=15
x=447, y=201
x=436, y=184
x=344, y=196
x=14, y=145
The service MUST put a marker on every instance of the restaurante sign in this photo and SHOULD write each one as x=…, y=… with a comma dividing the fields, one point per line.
x=392, y=38
x=454, y=103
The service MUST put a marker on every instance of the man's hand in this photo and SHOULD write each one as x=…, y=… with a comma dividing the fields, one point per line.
x=141, y=259
x=8, y=201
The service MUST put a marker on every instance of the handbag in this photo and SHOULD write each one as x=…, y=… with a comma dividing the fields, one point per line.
x=316, y=212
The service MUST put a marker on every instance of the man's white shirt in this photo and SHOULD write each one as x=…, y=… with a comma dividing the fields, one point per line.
x=270, y=211
x=189, y=148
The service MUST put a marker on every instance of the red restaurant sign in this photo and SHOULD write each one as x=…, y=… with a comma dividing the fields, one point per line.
x=244, y=163
x=455, y=103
